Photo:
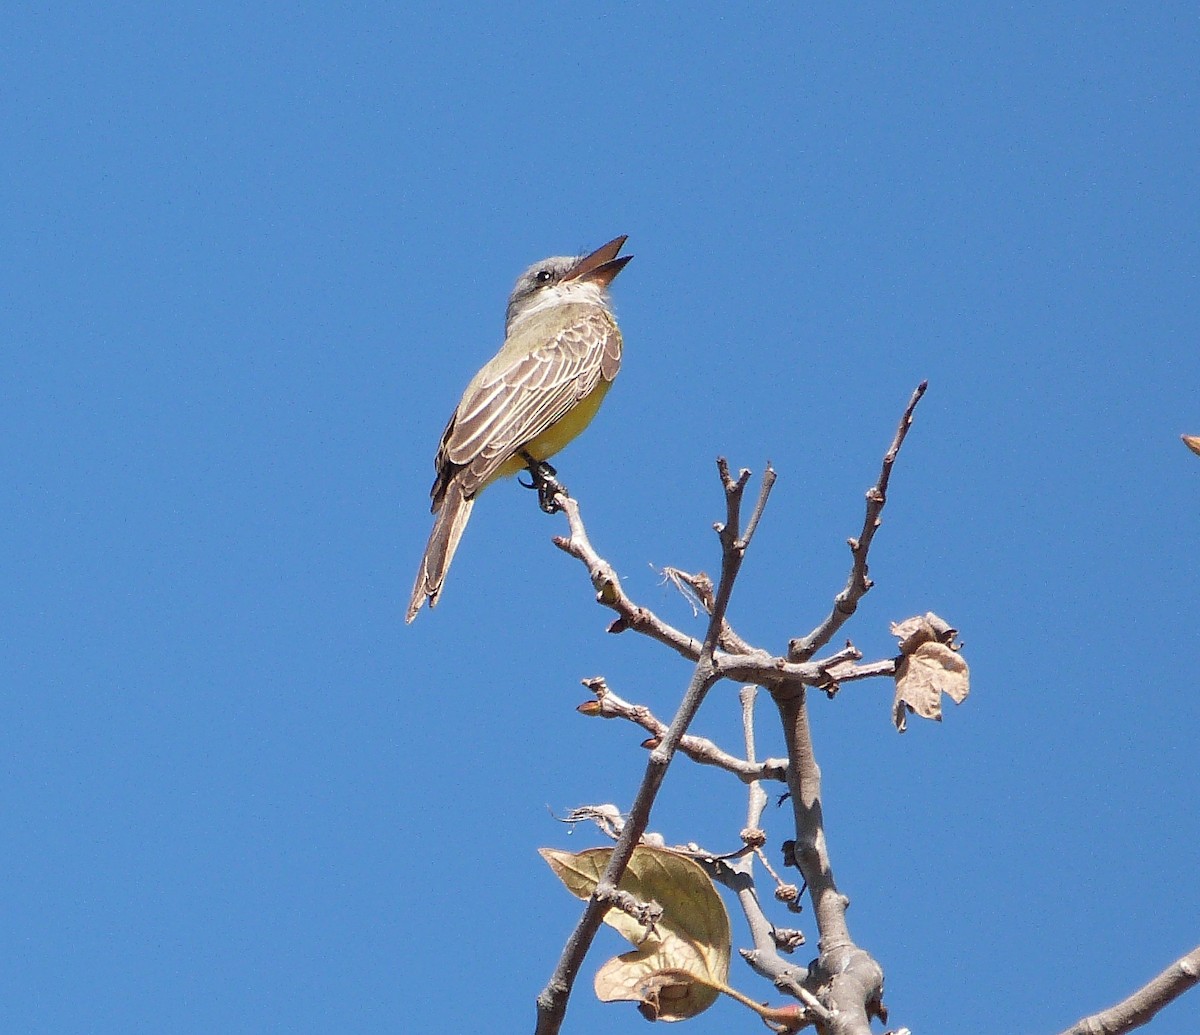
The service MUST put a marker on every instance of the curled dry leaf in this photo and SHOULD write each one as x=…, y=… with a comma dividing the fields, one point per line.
x=678, y=967
x=912, y=632
x=1192, y=442
x=929, y=666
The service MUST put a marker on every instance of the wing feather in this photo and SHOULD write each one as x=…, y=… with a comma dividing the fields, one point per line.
x=525, y=398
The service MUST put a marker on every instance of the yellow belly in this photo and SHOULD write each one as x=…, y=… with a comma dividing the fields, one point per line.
x=557, y=435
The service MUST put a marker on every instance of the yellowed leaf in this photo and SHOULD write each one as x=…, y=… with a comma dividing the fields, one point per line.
x=1192, y=442
x=662, y=993
x=581, y=872
x=677, y=968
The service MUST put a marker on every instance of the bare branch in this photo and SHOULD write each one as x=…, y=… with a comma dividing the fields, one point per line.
x=736, y=660
x=1140, y=1007
x=858, y=583
x=848, y=672
x=697, y=590
x=552, y=1002
x=768, y=481
x=781, y=676
x=736, y=872
x=609, y=591
x=847, y=653
x=758, y=797
x=841, y=991
x=699, y=749
x=846, y=979
x=769, y=941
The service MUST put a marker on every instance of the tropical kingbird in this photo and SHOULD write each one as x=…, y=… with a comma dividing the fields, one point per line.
x=561, y=351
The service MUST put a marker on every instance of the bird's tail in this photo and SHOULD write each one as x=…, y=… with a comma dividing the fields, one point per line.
x=439, y=552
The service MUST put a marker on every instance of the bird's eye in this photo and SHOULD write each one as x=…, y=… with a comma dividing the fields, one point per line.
x=544, y=276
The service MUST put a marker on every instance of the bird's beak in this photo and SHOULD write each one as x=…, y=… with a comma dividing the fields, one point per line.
x=602, y=265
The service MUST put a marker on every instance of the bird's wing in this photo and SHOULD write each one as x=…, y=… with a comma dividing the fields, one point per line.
x=519, y=401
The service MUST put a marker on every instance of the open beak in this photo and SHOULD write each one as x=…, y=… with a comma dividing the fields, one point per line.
x=602, y=265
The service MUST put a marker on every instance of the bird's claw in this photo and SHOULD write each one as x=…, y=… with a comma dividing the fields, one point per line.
x=543, y=478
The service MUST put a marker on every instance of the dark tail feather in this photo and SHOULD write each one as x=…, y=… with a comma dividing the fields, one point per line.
x=439, y=552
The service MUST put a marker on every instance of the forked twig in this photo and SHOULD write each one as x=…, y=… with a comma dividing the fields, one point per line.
x=552, y=1002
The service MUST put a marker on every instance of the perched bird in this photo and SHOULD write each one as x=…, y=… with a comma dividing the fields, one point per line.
x=561, y=351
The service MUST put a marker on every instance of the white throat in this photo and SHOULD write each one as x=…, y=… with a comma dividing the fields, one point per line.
x=571, y=292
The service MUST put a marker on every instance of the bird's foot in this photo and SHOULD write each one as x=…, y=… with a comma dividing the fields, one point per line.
x=543, y=478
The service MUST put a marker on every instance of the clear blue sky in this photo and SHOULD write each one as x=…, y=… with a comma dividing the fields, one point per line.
x=250, y=256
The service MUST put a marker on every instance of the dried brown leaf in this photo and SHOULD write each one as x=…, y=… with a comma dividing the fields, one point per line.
x=677, y=968
x=912, y=632
x=931, y=670
x=662, y=992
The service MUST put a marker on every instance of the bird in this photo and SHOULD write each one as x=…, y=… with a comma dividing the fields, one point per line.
x=561, y=352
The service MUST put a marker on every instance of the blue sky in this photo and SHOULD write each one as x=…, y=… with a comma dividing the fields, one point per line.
x=251, y=255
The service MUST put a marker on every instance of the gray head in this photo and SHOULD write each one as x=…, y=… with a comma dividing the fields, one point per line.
x=565, y=278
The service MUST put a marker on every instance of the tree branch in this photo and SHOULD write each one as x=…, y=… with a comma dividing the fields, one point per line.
x=1140, y=1007
x=842, y=988
x=699, y=749
x=737, y=660
x=552, y=1002
x=858, y=583
x=766, y=957
x=609, y=591
x=845, y=979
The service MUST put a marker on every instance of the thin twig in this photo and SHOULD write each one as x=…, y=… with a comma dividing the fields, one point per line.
x=697, y=590
x=764, y=491
x=552, y=1002
x=757, y=799
x=1140, y=1007
x=858, y=583
x=609, y=705
x=737, y=660
x=610, y=593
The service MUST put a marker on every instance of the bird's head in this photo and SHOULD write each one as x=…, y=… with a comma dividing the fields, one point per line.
x=565, y=278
